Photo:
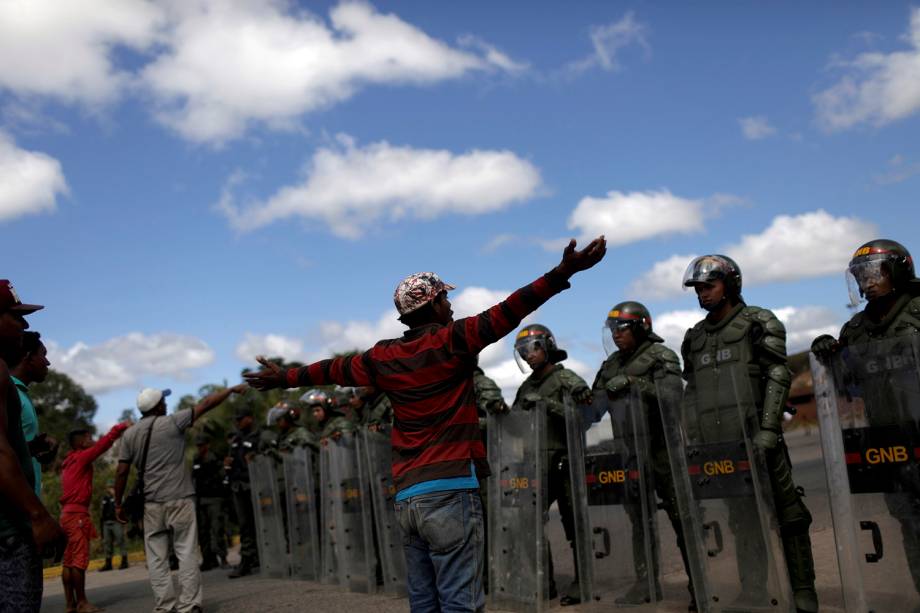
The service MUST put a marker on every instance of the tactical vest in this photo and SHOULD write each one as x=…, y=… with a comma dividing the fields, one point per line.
x=904, y=318
x=641, y=364
x=553, y=387
x=724, y=376
x=883, y=359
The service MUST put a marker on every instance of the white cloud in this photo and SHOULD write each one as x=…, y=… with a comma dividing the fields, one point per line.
x=877, y=88
x=633, y=216
x=800, y=246
x=124, y=361
x=31, y=181
x=756, y=127
x=350, y=188
x=673, y=325
x=64, y=49
x=229, y=64
x=899, y=170
x=803, y=324
x=664, y=279
x=608, y=42
x=270, y=345
x=792, y=247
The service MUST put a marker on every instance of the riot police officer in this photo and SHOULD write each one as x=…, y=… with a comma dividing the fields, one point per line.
x=749, y=343
x=882, y=273
x=331, y=415
x=549, y=382
x=244, y=445
x=639, y=361
x=208, y=476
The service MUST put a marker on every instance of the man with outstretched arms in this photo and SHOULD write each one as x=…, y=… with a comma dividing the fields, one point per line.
x=749, y=342
x=548, y=385
x=639, y=361
x=438, y=455
x=881, y=272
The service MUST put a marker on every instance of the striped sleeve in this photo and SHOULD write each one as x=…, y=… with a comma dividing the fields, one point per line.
x=473, y=334
x=352, y=371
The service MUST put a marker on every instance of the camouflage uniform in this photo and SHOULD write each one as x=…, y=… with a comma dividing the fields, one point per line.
x=208, y=475
x=742, y=360
x=651, y=362
x=903, y=319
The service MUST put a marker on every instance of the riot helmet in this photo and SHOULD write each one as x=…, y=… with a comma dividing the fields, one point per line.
x=715, y=267
x=534, y=337
x=313, y=397
x=877, y=260
x=630, y=315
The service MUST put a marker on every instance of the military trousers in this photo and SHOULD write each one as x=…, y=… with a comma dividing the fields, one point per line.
x=113, y=533
x=245, y=517
x=211, y=536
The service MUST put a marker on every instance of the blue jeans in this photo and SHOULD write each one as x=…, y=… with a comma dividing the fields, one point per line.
x=443, y=541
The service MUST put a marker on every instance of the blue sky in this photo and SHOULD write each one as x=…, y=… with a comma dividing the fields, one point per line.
x=187, y=184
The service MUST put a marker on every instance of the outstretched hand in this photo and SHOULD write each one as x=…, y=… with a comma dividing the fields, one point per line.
x=575, y=261
x=270, y=377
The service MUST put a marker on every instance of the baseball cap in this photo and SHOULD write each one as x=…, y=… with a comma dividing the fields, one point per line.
x=149, y=398
x=417, y=290
x=9, y=300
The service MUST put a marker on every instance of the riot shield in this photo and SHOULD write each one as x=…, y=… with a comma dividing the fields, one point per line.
x=377, y=478
x=303, y=533
x=726, y=504
x=575, y=423
x=614, y=451
x=516, y=448
x=266, y=502
x=345, y=516
x=868, y=400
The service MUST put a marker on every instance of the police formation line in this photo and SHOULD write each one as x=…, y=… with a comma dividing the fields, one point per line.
x=671, y=476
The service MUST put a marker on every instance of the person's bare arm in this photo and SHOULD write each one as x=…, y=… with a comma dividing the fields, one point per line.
x=214, y=400
x=121, y=481
x=14, y=487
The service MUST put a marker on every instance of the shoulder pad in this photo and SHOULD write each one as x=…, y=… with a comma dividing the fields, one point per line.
x=914, y=306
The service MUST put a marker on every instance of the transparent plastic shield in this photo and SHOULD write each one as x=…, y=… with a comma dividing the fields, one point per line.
x=723, y=490
x=377, y=478
x=620, y=501
x=266, y=502
x=302, y=507
x=346, y=517
x=868, y=409
x=580, y=584
x=516, y=448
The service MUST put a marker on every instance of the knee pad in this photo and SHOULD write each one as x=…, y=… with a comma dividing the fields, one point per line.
x=795, y=519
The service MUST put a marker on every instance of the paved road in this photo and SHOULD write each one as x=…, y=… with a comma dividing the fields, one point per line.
x=129, y=591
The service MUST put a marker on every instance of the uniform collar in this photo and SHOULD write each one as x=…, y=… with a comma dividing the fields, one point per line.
x=533, y=376
x=715, y=327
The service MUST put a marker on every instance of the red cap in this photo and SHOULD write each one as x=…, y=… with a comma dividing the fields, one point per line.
x=9, y=300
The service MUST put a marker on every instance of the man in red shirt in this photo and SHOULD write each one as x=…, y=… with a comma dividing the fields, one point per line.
x=437, y=449
x=76, y=495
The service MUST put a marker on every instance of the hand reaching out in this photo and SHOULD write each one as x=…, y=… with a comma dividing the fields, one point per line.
x=270, y=377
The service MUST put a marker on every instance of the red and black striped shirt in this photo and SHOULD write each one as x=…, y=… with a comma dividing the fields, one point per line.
x=428, y=376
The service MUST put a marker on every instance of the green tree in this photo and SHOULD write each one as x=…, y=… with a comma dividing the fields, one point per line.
x=62, y=405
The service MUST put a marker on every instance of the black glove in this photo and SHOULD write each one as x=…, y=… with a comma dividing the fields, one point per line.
x=582, y=395
x=824, y=347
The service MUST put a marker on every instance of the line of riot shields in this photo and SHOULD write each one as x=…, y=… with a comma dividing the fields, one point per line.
x=642, y=535
x=330, y=517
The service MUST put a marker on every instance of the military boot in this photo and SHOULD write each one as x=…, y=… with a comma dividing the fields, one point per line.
x=801, y=566
x=124, y=563
x=106, y=566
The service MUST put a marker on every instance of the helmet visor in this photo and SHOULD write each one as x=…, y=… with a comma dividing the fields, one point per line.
x=610, y=328
x=530, y=353
x=705, y=269
x=864, y=275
